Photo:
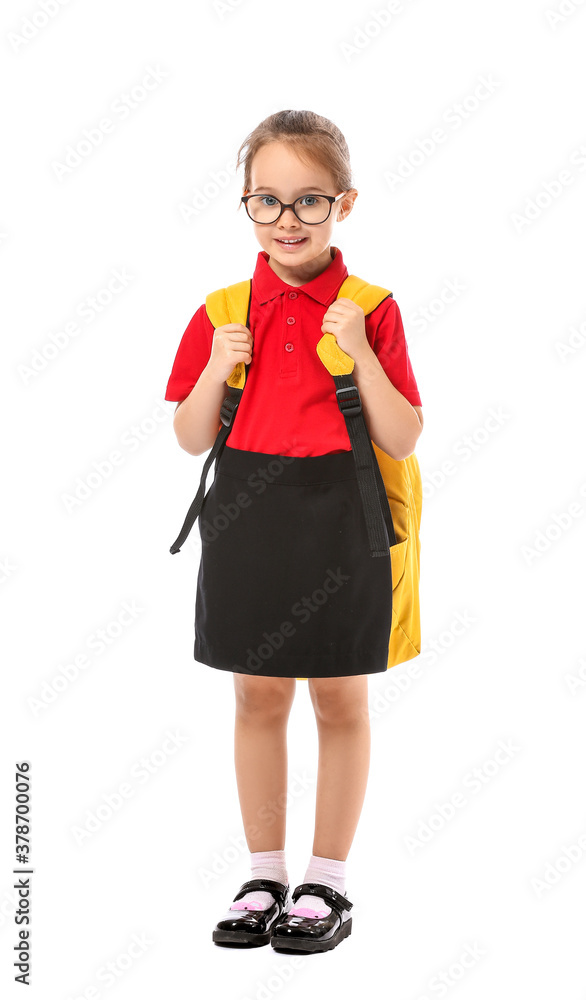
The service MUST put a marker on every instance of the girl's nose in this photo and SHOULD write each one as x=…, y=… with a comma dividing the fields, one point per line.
x=288, y=216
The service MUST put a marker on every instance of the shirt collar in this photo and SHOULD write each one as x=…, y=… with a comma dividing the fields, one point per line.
x=267, y=284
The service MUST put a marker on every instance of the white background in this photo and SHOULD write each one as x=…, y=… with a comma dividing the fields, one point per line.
x=516, y=672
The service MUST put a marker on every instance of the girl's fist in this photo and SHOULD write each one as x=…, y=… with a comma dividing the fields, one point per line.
x=231, y=343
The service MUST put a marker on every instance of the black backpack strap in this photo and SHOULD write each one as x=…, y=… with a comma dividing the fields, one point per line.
x=379, y=521
x=227, y=414
x=227, y=411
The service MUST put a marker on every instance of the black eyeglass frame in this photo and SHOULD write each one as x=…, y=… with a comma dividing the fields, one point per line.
x=329, y=197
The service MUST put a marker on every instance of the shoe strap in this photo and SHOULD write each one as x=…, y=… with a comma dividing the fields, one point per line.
x=278, y=889
x=336, y=899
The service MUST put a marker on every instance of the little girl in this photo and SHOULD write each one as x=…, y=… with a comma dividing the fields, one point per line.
x=287, y=588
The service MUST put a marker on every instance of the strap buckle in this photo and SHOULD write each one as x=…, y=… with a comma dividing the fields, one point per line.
x=228, y=409
x=351, y=406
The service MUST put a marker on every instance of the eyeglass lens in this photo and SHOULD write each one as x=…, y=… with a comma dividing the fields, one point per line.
x=309, y=208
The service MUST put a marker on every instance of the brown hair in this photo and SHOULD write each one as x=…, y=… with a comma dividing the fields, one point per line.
x=314, y=139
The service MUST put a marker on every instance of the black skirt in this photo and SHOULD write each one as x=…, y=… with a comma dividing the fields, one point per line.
x=287, y=586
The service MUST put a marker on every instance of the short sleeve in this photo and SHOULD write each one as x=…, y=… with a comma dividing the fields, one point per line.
x=192, y=356
x=390, y=346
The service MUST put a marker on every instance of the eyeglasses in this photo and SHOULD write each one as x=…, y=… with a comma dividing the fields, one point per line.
x=311, y=209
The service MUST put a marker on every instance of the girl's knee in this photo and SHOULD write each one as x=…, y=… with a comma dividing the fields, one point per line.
x=341, y=700
x=267, y=697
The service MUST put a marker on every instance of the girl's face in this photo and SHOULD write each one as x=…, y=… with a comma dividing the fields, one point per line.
x=278, y=171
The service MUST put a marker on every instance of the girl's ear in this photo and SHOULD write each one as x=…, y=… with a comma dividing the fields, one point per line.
x=348, y=203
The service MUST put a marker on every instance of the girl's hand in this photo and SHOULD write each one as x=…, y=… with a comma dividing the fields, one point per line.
x=231, y=343
x=345, y=319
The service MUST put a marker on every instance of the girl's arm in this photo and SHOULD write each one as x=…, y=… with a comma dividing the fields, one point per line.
x=419, y=413
x=197, y=417
x=394, y=424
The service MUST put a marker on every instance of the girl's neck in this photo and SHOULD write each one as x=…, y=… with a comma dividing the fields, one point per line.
x=297, y=276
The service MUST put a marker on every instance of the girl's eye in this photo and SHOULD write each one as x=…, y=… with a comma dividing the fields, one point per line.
x=272, y=201
x=310, y=196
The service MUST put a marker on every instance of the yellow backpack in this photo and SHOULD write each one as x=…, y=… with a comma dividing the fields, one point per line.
x=400, y=480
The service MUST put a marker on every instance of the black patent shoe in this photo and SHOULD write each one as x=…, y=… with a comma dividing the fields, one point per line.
x=253, y=926
x=314, y=933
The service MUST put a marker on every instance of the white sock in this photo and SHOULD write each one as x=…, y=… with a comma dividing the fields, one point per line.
x=328, y=871
x=263, y=864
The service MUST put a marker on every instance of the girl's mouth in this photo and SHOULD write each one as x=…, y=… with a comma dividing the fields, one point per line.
x=291, y=245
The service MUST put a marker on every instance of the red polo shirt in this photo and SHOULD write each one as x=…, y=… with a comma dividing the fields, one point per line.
x=289, y=405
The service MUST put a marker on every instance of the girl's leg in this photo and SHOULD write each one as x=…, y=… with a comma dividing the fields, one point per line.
x=343, y=724
x=263, y=705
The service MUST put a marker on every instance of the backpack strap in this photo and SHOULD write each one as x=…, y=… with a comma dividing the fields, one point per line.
x=379, y=521
x=340, y=365
x=222, y=306
x=225, y=305
x=367, y=296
